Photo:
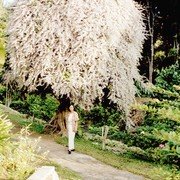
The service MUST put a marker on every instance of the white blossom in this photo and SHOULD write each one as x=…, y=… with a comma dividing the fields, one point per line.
x=78, y=47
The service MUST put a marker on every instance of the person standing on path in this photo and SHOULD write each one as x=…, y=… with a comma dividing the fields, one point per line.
x=72, y=125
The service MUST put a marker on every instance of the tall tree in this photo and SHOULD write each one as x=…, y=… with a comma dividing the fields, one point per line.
x=165, y=29
x=151, y=23
x=78, y=48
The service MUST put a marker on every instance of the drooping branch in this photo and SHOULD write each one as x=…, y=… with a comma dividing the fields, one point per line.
x=77, y=47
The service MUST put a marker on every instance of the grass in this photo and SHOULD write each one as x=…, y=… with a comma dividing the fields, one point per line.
x=123, y=162
x=20, y=120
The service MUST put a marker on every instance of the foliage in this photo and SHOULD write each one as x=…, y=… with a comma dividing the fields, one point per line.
x=100, y=49
x=142, y=90
x=170, y=112
x=22, y=152
x=166, y=38
x=170, y=136
x=34, y=105
x=33, y=125
x=162, y=123
x=18, y=158
x=101, y=116
x=5, y=128
x=173, y=52
x=159, y=55
x=163, y=94
x=98, y=130
x=42, y=108
x=160, y=127
x=168, y=77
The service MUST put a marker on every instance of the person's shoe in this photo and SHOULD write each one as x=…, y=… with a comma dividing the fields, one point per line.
x=73, y=150
x=69, y=152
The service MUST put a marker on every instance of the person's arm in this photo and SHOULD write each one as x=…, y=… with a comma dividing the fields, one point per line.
x=76, y=122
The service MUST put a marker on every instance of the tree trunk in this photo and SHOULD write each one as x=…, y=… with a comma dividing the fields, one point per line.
x=58, y=122
x=151, y=19
x=151, y=62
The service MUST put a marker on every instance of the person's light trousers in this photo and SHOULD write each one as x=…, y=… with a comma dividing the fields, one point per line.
x=71, y=135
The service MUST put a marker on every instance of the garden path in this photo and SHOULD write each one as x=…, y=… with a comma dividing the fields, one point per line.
x=88, y=167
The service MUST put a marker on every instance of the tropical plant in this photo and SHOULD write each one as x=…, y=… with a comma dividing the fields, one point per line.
x=18, y=154
x=5, y=128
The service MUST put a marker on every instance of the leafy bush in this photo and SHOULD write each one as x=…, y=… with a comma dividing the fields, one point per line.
x=172, y=137
x=162, y=94
x=138, y=139
x=35, y=105
x=101, y=116
x=18, y=158
x=142, y=90
x=98, y=130
x=33, y=125
x=168, y=77
x=5, y=128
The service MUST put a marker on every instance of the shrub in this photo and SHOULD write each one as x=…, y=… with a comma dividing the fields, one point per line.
x=98, y=130
x=18, y=157
x=168, y=77
x=142, y=90
x=50, y=106
x=20, y=105
x=101, y=116
x=33, y=125
x=162, y=94
x=5, y=128
x=138, y=139
x=35, y=105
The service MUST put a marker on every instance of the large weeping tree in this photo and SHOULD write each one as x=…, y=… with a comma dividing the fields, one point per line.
x=78, y=47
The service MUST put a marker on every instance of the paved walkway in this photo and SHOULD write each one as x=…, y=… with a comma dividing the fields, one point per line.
x=88, y=167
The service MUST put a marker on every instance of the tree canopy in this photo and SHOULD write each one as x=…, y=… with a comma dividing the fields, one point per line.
x=77, y=47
